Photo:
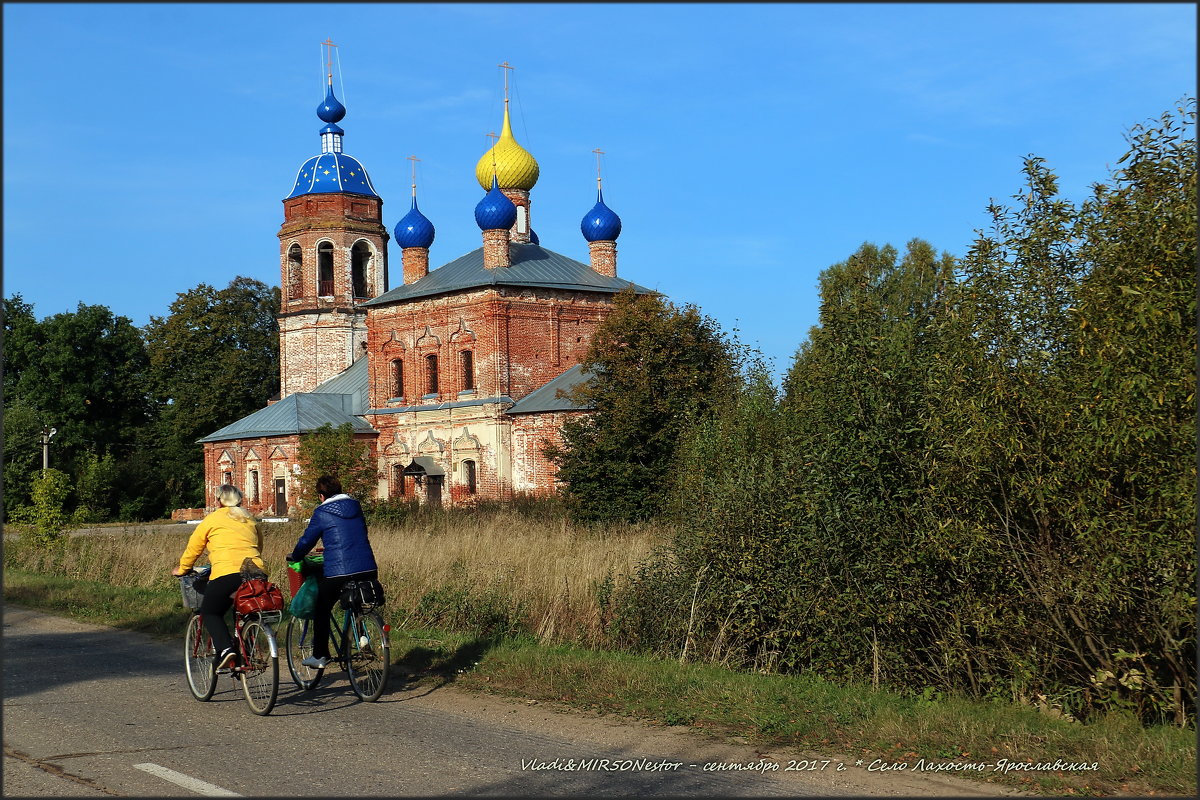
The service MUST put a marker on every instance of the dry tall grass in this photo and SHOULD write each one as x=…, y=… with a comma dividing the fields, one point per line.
x=453, y=569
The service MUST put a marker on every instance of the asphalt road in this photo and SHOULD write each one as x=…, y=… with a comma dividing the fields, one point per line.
x=92, y=711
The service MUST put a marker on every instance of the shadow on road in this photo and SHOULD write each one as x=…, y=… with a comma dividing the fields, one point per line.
x=423, y=661
x=39, y=661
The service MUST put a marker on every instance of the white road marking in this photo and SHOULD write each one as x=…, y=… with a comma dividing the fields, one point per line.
x=186, y=781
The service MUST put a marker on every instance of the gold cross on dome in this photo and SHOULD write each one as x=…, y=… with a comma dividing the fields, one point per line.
x=414, y=161
x=506, y=67
x=598, y=153
x=329, y=43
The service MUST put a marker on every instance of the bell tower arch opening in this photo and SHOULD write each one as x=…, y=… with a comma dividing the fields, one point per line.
x=361, y=257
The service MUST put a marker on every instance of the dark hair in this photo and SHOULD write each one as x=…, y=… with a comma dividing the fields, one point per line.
x=328, y=486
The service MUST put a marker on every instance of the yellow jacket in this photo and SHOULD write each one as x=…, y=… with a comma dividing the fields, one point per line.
x=229, y=540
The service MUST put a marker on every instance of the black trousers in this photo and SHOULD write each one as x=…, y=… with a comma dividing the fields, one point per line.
x=328, y=592
x=217, y=601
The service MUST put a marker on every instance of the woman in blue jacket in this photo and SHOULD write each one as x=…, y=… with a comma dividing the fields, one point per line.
x=339, y=525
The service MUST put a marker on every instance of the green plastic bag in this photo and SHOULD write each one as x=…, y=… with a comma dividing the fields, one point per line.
x=304, y=604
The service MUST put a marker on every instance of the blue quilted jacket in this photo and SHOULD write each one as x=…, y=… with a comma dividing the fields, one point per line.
x=339, y=525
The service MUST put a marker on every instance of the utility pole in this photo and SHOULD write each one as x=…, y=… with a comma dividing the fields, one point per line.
x=47, y=435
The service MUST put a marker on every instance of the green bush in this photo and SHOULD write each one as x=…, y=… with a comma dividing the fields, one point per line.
x=51, y=488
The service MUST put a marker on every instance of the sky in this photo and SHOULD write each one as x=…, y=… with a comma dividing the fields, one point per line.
x=747, y=147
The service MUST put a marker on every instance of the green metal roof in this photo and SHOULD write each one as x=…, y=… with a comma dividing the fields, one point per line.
x=532, y=265
x=339, y=400
x=546, y=398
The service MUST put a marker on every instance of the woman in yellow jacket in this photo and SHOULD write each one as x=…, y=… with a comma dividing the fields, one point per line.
x=231, y=535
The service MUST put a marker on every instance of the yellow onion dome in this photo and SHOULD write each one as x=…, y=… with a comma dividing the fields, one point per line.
x=515, y=167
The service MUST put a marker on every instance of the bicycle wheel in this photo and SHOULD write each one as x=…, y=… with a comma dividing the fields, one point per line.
x=260, y=674
x=199, y=659
x=368, y=655
x=299, y=647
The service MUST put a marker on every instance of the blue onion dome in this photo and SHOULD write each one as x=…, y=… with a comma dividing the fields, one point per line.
x=333, y=170
x=415, y=229
x=533, y=237
x=495, y=210
x=600, y=224
x=331, y=110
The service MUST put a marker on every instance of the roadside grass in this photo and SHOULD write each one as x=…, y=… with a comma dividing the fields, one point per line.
x=811, y=714
x=803, y=712
x=154, y=611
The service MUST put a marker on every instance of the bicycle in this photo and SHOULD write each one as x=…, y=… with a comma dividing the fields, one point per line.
x=257, y=645
x=360, y=646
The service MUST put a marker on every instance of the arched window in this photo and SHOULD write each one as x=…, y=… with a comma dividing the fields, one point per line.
x=360, y=264
x=467, y=359
x=254, y=496
x=431, y=374
x=325, y=269
x=295, y=267
x=468, y=468
x=398, y=488
x=397, y=378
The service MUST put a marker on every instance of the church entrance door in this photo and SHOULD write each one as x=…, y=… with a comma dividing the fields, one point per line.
x=433, y=490
x=280, y=497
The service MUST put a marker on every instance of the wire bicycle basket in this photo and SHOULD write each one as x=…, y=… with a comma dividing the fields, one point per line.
x=191, y=595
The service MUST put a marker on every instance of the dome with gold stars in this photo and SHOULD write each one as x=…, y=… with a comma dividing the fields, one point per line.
x=332, y=170
x=515, y=168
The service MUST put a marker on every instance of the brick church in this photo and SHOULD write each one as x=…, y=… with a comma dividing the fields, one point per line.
x=451, y=378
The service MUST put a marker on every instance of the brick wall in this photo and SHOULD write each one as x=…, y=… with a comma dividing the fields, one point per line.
x=519, y=340
x=272, y=458
x=533, y=473
x=321, y=329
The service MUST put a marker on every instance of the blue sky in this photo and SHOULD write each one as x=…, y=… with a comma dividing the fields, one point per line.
x=147, y=147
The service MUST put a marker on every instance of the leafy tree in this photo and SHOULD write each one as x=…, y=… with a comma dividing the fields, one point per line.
x=22, y=421
x=854, y=399
x=213, y=360
x=22, y=452
x=335, y=451
x=1133, y=455
x=96, y=488
x=51, y=488
x=654, y=369
x=20, y=341
x=82, y=372
x=1069, y=358
x=723, y=587
x=981, y=476
x=999, y=432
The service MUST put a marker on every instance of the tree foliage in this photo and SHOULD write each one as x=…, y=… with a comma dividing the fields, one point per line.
x=84, y=371
x=981, y=474
x=335, y=451
x=128, y=404
x=212, y=360
x=654, y=368
x=51, y=488
x=80, y=372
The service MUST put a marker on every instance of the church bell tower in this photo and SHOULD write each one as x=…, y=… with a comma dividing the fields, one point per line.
x=333, y=257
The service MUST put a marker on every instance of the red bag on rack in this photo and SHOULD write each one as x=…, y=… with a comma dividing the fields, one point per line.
x=256, y=595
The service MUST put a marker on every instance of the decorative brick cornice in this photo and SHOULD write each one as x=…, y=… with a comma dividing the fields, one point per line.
x=325, y=224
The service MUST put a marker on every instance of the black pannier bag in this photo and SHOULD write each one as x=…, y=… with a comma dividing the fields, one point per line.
x=362, y=594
